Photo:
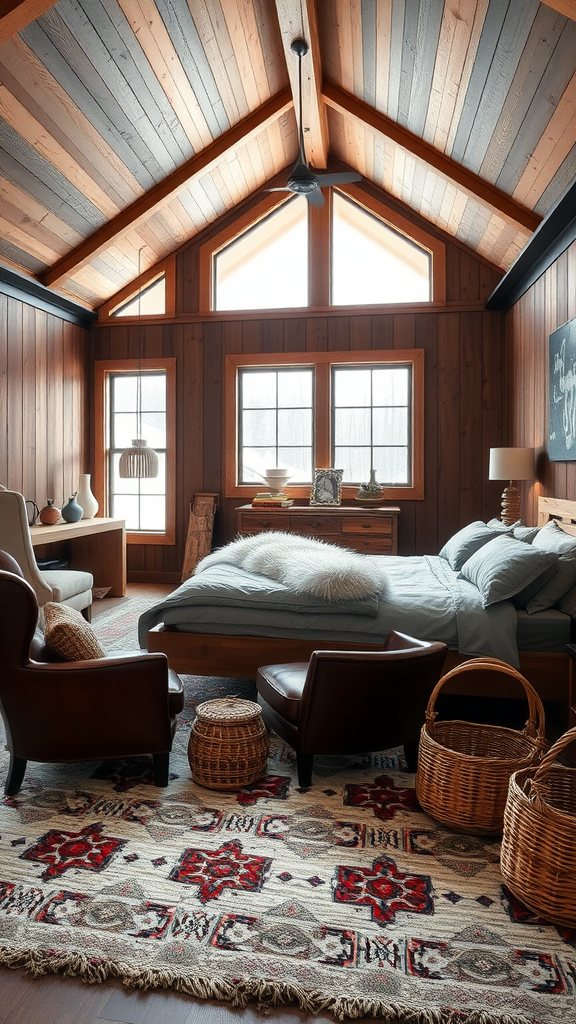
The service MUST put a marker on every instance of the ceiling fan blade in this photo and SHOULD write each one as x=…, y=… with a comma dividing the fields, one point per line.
x=284, y=189
x=338, y=179
x=315, y=198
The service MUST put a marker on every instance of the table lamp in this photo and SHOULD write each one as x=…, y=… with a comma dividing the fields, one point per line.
x=511, y=464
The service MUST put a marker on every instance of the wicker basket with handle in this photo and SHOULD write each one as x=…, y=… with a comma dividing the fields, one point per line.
x=464, y=768
x=538, y=857
x=228, y=746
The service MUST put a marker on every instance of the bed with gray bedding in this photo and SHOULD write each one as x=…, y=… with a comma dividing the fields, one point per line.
x=423, y=596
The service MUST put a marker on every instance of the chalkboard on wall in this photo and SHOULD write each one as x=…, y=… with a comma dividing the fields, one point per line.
x=562, y=392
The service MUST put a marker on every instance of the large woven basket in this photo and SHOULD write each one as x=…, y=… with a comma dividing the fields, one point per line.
x=228, y=746
x=464, y=768
x=538, y=857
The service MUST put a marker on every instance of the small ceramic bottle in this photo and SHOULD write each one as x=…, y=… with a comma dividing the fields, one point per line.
x=72, y=511
x=50, y=515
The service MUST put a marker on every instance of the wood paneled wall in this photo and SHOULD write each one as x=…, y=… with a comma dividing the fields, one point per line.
x=548, y=304
x=463, y=408
x=44, y=391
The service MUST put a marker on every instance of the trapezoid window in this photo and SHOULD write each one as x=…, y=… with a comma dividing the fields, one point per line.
x=266, y=267
x=373, y=263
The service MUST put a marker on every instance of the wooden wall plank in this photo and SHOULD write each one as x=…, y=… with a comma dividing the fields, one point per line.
x=544, y=308
x=44, y=385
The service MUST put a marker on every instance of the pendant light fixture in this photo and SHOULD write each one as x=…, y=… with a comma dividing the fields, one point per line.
x=139, y=461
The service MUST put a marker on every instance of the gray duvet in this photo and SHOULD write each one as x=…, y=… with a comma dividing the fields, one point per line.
x=421, y=596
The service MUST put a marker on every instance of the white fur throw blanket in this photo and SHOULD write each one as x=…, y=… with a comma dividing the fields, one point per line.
x=304, y=565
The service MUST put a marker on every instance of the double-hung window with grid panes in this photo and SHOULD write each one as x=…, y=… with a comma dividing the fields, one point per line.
x=140, y=502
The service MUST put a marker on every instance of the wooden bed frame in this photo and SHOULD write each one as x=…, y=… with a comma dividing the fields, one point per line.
x=213, y=654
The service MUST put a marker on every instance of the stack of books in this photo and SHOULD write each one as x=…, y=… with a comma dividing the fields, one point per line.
x=271, y=499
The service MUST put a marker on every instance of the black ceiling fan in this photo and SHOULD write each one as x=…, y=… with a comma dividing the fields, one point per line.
x=304, y=180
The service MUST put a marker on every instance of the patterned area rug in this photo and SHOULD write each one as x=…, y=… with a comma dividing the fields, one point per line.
x=117, y=626
x=341, y=898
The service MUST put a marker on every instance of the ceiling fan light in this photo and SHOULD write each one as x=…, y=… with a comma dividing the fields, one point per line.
x=138, y=462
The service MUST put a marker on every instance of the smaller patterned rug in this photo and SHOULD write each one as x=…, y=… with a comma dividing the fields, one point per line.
x=343, y=897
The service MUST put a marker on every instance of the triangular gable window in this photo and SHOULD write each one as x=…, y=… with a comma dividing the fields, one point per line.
x=150, y=302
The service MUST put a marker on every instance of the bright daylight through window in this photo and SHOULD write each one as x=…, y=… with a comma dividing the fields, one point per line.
x=141, y=502
x=150, y=301
x=275, y=422
x=372, y=263
x=372, y=415
x=267, y=266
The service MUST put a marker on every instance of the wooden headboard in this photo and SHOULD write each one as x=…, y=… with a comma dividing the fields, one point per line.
x=560, y=510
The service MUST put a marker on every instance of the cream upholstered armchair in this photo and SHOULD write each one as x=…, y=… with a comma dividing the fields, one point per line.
x=65, y=586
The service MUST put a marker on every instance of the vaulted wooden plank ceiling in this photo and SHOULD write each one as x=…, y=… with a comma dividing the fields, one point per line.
x=130, y=125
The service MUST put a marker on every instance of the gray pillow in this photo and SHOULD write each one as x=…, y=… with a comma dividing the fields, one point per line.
x=567, y=604
x=505, y=567
x=497, y=524
x=552, y=538
x=458, y=549
x=526, y=533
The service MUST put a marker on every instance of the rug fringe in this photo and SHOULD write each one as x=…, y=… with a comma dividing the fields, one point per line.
x=266, y=994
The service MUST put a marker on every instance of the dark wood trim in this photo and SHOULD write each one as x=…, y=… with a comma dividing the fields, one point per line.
x=35, y=294
x=17, y=14
x=548, y=242
x=472, y=183
x=142, y=208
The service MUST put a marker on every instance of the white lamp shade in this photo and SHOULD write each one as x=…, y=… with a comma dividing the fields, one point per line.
x=138, y=462
x=512, y=464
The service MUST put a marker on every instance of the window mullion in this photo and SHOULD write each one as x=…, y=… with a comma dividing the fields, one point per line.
x=322, y=425
x=319, y=254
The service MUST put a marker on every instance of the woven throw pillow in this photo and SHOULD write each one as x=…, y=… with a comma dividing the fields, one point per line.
x=68, y=634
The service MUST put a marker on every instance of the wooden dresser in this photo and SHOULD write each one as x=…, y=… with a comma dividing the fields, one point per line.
x=371, y=530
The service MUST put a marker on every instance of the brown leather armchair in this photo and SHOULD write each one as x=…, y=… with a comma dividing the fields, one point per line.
x=351, y=702
x=77, y=710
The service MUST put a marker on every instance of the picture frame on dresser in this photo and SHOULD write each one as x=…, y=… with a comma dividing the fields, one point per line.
x=327, y=487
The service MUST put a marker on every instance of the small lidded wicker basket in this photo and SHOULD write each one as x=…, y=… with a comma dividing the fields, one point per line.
x=464, y=767
x=538, y=856
x=228, y=746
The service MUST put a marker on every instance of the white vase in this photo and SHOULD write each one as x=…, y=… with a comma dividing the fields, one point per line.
x=85, y=498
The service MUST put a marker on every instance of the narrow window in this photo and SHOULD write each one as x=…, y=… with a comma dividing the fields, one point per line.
x=275, y=422
x=142, y=503
x=147, y=505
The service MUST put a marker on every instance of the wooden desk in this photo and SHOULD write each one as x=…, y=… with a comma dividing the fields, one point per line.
x=371, y=530
x=96, y=545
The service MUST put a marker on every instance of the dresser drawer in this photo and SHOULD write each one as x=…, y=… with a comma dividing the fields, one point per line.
x=316, y=526
x=259, y=521
x=369, y=545
x=367, y=524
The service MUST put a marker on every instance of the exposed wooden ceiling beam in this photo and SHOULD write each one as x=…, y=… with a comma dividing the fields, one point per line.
x=16, y=14
x=297, y=20
x=144, y=207
x=467, y=180
x=565, y=7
